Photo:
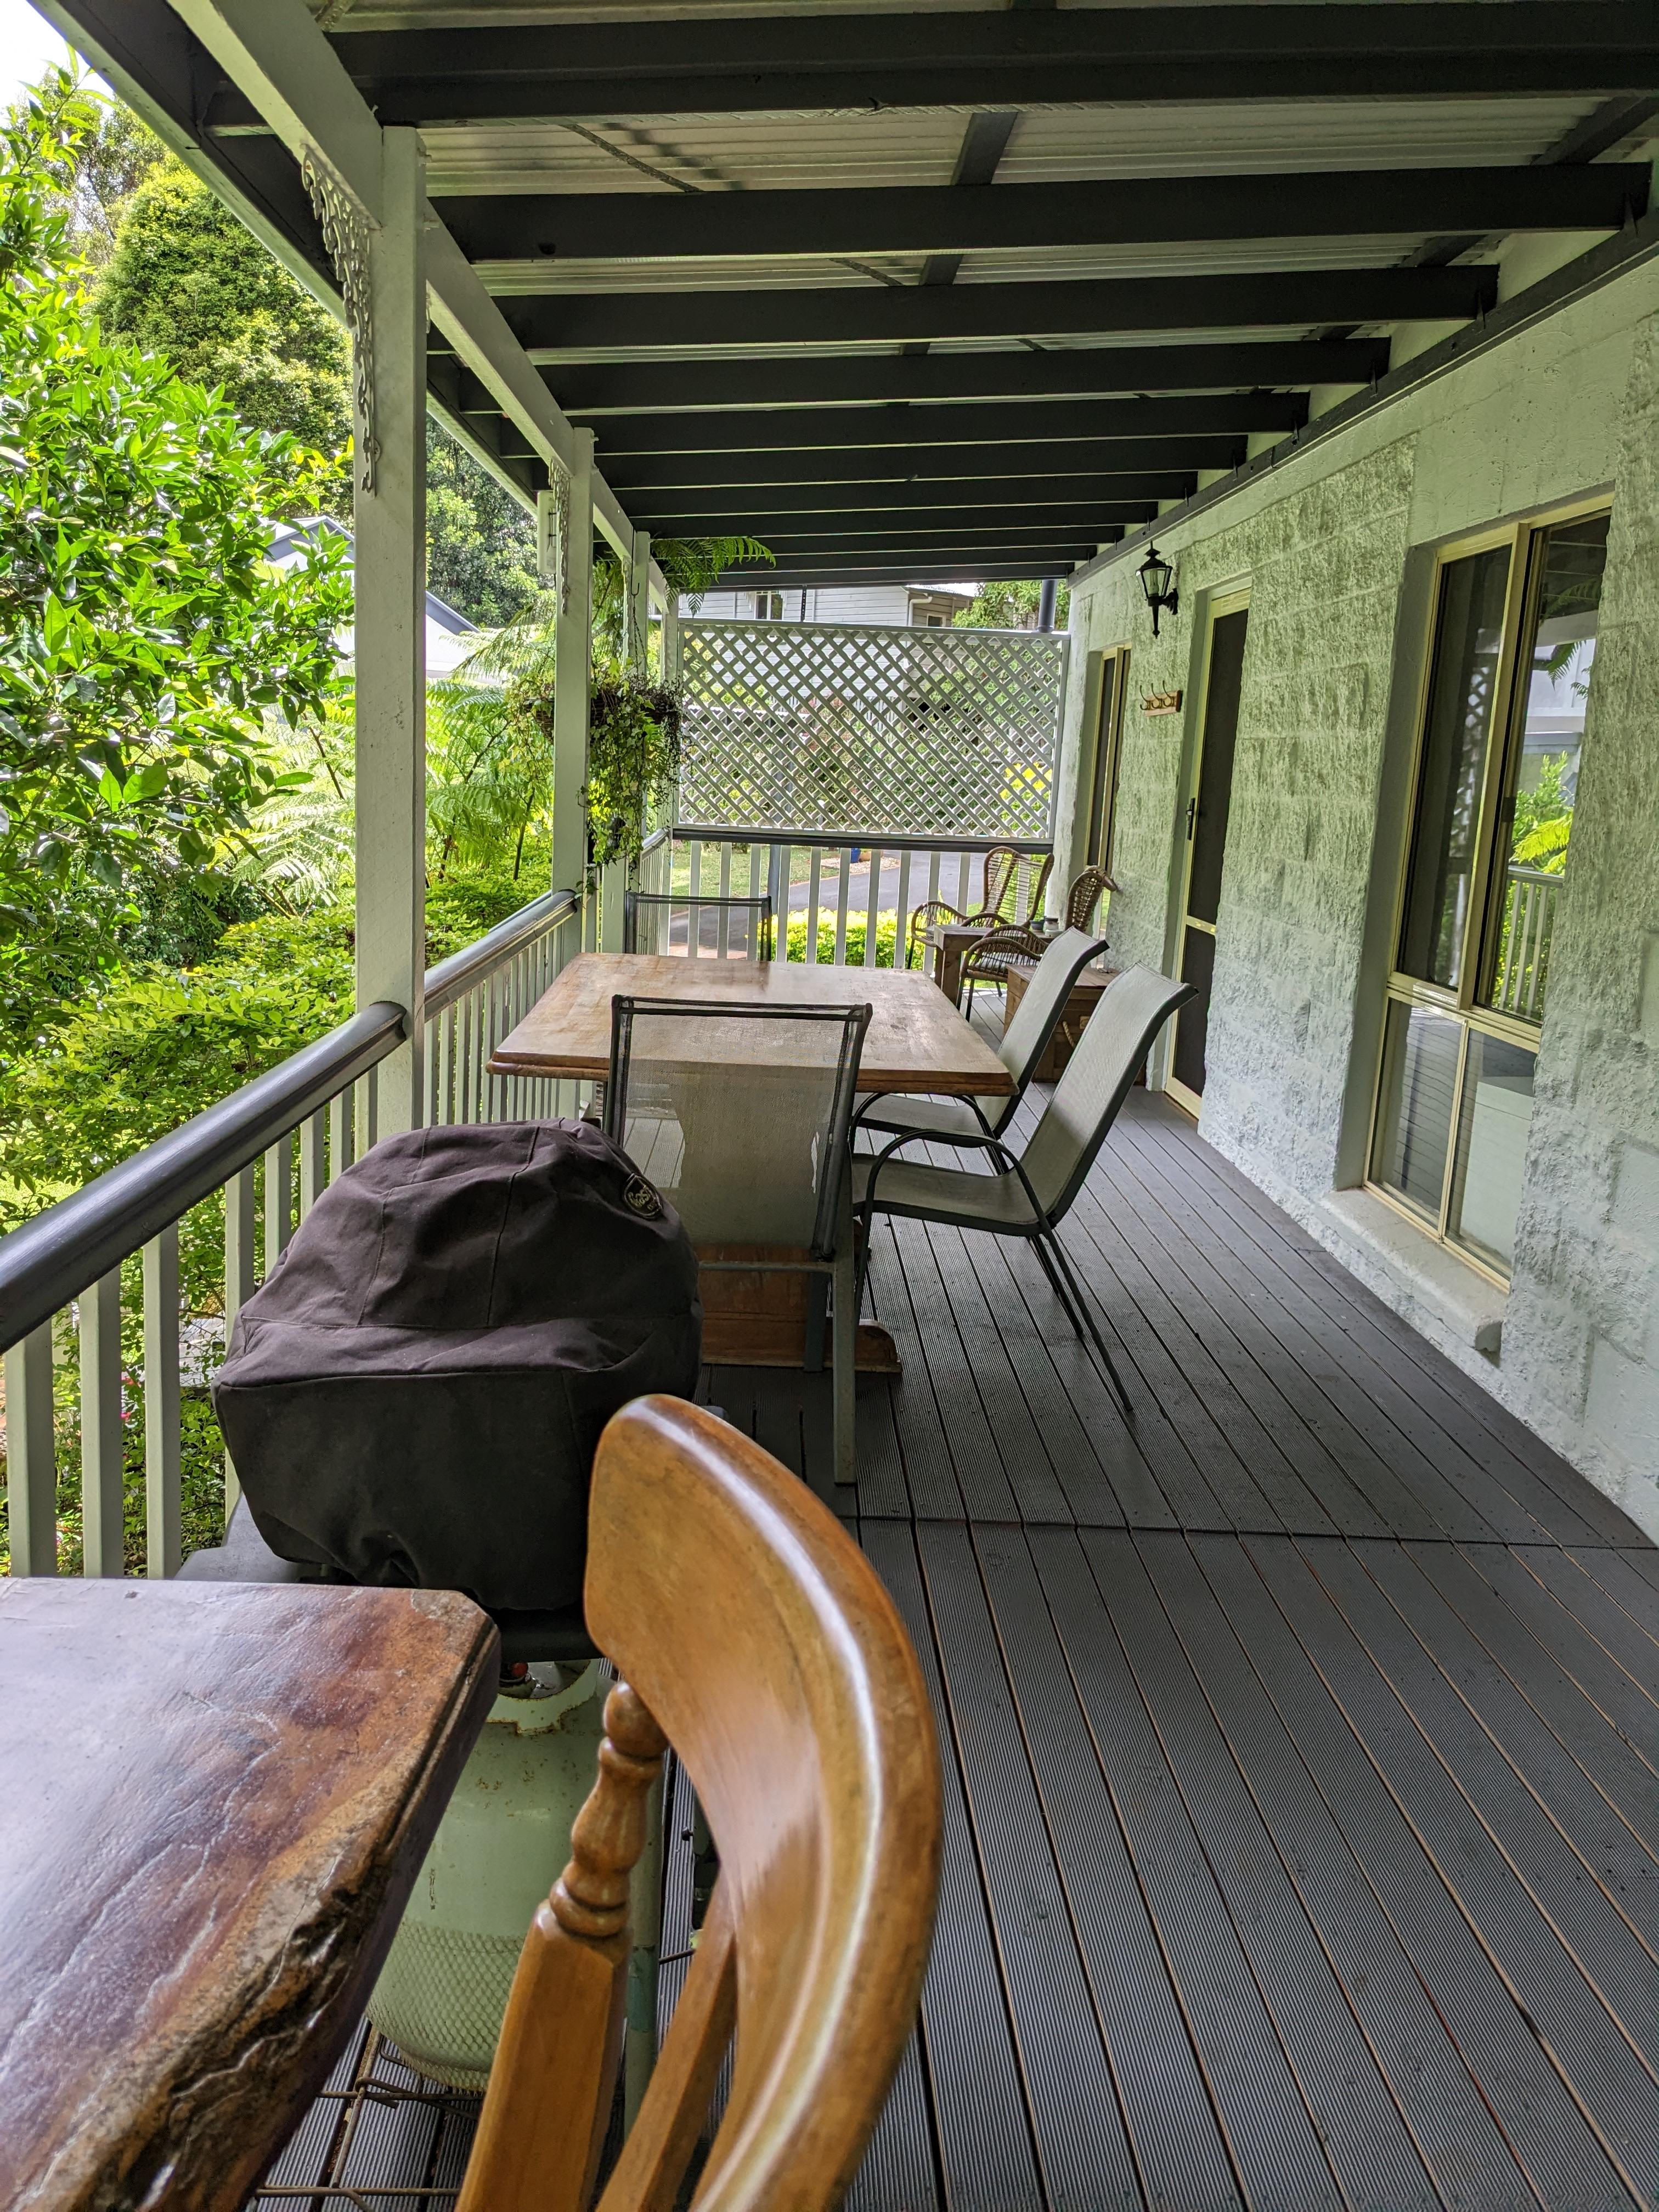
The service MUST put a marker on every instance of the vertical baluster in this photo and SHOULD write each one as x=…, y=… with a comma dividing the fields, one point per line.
x=162, y=1544
x=445, y=1056
x=339, y=1138
x=31, y=1456
x=723, y=934
x=238, y=1273
x=935, y=862
x=694, y=867
x=960, y=902
x=279, y=1200
x=875, y=901
x=903, y=907
x=814, y=884
x=843, y=893
x=366, y=1112
x=313, y=1160
x=101, y=1472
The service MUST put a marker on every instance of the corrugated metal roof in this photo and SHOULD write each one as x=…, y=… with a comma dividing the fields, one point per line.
x=828, y=152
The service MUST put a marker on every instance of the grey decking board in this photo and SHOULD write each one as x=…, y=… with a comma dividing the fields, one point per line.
x=1349, y=1295
x=1543, y=2126
x=1623, y=1777
x=987, y=1491
x=1274, y=2144
x=1629, y=1703
x=1619, y=1573
x=929, y=1475
x=1090, y=1492
x=1626, y=1864
x=1407, y=1463
x=1217, y=1427
x=1151, y=1469
x=1628, y=1640
x=1180, y=2149
x=1359, y=2119
x=1082, y=2145
x=1429, y=1392
x=1453, y=2126
x=1334, y=1467
x=983, y=2124
x=1560, y=1882
x=1564, y=2011
x=1023, y=1449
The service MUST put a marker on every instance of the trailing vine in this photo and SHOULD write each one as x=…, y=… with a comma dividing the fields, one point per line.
x=633, y=756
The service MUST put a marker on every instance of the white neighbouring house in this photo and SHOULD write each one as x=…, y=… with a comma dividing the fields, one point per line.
x=450, y=635
x=883, y=606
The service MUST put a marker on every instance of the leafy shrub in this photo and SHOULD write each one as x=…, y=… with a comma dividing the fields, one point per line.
x=857, y=930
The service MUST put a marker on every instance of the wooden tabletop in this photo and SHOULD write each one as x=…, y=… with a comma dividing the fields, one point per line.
x=217, y=1797
x=916, y=1042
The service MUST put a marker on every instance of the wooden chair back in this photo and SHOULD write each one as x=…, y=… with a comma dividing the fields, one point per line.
x=744, y=1620
x=1086, y=892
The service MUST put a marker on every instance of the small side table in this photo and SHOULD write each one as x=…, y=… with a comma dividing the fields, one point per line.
x=951, y=943
x=1085, y=993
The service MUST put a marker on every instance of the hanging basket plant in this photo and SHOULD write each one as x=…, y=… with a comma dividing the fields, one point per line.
x=633, y=758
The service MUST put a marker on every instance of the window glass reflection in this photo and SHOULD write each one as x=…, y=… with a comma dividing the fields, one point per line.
x=1491, y=1148
x=1417, y=1102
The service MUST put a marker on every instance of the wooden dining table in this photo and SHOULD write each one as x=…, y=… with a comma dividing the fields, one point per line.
x=917, y=1043
x=216, y=1799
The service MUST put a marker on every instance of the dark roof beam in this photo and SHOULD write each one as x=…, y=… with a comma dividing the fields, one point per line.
x=752, y=63
x=571, y=323
x=1122, y=211
x=1161, y=465
x=1045, y=493
x=967, y=424
x=643, y=387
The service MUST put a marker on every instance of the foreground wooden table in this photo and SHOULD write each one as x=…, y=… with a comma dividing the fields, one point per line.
x=916, y=1042
x=217, y=1798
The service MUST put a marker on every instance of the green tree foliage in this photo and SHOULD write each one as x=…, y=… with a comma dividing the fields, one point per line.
x=188, y=280
x=1011, y=607
x=1543, y=819
x=480, y=545
x=145, y=638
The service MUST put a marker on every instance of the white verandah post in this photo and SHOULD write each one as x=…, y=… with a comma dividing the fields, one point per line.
x=390, y=564
x=572, y=673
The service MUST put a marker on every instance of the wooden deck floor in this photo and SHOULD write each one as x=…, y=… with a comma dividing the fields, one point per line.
x=1301, y=1738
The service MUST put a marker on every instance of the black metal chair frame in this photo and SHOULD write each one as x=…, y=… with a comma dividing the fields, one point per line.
x=758, y=909
x=833, y=1257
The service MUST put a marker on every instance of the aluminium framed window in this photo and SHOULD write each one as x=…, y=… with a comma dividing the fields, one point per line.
x=1108, y=677
x=1500, y=728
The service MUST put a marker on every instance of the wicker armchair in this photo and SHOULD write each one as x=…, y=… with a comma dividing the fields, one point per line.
x=1023, y=945
x=1001, y=875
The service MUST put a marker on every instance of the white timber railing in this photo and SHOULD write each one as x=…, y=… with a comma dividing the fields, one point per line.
x=831, y=896
x=267, y=1152
x=1530, y=898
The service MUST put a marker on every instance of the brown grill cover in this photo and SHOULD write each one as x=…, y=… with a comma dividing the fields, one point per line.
x=415, y=1395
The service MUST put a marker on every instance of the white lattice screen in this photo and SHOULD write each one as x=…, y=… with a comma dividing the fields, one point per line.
x=917, y=733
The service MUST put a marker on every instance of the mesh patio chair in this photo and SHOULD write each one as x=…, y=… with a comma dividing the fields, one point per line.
x=998, y=884
x=1023, y=945
x=1025, y=1041
x=741, y=1119
x=1030, y=1194
x=704, y=928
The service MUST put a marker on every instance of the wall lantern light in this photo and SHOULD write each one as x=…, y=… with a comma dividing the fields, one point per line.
x=1157, y=582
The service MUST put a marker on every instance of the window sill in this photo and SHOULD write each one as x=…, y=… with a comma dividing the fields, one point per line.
x=1465, y=1303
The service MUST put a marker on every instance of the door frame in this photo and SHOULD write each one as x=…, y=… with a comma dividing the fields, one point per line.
x=1234, y=600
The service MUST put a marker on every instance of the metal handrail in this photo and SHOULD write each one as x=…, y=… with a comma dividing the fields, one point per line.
x=891, y=841
x=51, y=1258
x=451, y=979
